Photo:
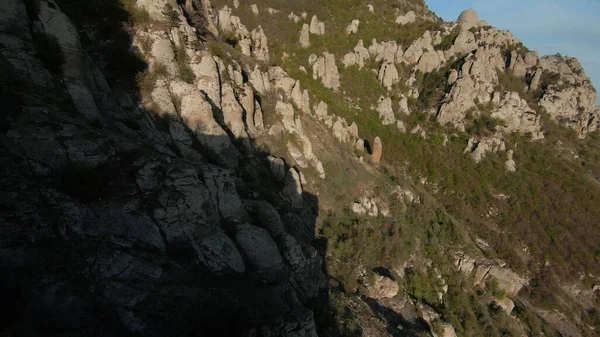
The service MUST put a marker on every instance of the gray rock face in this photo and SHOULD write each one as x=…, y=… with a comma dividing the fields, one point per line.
x=258, y=246
x=277, y=166
x=574, y=104
x=219, y=253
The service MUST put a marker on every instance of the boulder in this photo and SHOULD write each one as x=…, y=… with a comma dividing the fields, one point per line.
x=388, y=75
x=321, y=111
x=366, y=206
x=352, y=27
x=400, y=126
x=360, y=145
x=465, y=42
x=292, y=191
x=382, y=287
x=506, y=304
x=304, y=39
x=420, y=46
x=277, y=167
x=535, y=80
x=317, y=27
x=340, y=130
x=254, y=9
x=376, y=151
x=259, y=80
x=301, y=98
x=258, y=246
x=326, y=69
x=294, y=17
x=468, y=19
x=349, y=59
x=447, y=330
x=260, y=45
x=403, y=105
x=386, y=113
x=429, y=61
x=409, y=17
x=266, y=216
x=508, y=280
x=219, y=254
x=511, y=166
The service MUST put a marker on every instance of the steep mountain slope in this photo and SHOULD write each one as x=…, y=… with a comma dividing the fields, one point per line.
x=291, y=168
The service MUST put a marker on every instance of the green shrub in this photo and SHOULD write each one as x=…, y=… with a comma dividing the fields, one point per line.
x=145, y=80
x=448, y=40
x=146, y=44
x=185, y=72
x=172, y=16
x=137, y=15
x=484, y=125
x=230, y=38
x=160, y=69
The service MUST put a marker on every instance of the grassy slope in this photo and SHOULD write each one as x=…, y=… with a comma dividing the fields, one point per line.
x=553, y=199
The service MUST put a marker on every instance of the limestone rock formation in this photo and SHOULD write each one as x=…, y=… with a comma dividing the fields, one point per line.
x=409, y=17
x=511, y=166
x=388, y=75
x=358, y=57
x=484, y=271
x=386, y=113
x=317, y=27
x=304, y=38
x=389, y=51
x=292, y=191
x=294, y=17
x=300, y=98
x=377, y=151
x=468, y=19
x=478, y=148
x=260, y=45
x=325, y=68
x=352, y=27
x=383, y=287
x=413, y=53
x=572, y=100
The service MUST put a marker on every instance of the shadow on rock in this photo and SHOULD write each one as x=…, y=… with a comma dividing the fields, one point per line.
x=119, y=221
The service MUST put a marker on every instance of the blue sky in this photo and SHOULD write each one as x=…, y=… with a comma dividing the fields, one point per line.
x=569, y=27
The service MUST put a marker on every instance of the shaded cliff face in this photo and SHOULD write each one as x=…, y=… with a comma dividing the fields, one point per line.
x=117, y=219
x=291, y=168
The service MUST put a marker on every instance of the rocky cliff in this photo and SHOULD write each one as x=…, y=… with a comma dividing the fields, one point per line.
x=227, y=168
